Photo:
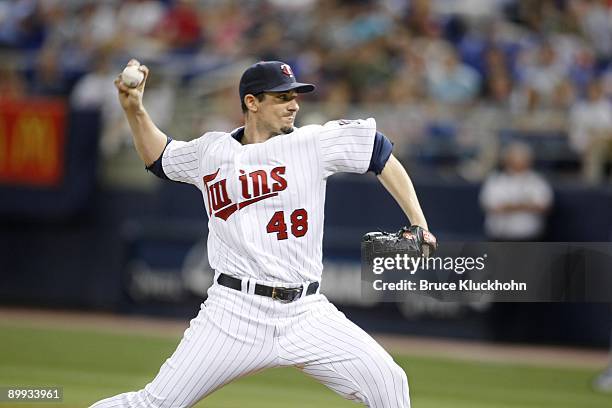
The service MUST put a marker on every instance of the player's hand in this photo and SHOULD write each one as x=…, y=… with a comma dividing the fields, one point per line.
x=425, y=239
x=131, y=98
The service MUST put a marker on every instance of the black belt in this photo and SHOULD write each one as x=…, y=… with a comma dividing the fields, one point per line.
x=278, y=293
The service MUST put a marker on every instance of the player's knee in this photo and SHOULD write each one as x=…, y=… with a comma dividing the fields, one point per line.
x=403, y=398
x=400, y=375
x=147, y=399
x=133, y=399
x=400, y=393
x=171, y=400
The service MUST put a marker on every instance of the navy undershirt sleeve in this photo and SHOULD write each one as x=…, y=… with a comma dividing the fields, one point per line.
x=156, y=167
x=380, y=153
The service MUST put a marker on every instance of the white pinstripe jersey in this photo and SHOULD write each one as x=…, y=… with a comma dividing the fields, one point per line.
x=265, y=201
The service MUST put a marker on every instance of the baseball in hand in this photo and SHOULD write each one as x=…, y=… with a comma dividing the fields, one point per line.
x=132, y=76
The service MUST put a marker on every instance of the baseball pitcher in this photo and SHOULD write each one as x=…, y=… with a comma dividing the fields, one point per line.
x=263, y=187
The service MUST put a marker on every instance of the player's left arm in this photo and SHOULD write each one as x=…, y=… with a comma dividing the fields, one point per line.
x=397, y=182
x=395, y=179
x=356, y=146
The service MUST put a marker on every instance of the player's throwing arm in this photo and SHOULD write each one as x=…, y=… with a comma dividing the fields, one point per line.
x=148, y=139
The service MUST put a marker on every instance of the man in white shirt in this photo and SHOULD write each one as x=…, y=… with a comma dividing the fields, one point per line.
x=591, y=131
x=517, y=199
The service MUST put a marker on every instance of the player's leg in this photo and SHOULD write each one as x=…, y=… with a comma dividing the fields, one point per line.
x=332, y=349
x=227, y=340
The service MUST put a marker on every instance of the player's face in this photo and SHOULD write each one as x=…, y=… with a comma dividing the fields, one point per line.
x=278, y=111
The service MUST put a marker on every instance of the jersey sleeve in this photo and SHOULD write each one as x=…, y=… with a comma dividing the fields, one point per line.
x=346, y=146
x=181, y=160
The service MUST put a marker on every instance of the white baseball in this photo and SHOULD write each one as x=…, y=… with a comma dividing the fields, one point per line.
x=132, y=76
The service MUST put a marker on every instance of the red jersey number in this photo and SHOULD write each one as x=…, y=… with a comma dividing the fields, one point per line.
x=299, y=224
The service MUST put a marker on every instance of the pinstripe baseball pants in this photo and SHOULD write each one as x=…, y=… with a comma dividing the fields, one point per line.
x=236, y=334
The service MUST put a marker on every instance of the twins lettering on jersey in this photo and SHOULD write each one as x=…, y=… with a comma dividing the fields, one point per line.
x=256, y=186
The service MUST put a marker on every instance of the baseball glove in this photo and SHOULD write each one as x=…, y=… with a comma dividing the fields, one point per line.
x=413, y=240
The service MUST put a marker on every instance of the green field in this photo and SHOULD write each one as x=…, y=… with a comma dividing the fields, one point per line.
x=91, y=365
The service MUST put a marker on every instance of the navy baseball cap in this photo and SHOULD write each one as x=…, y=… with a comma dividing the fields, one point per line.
x=270, y=76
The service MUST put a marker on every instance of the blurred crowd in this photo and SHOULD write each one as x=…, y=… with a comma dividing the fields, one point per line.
x=515, y=57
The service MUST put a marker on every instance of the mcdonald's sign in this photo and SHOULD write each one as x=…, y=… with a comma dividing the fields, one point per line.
x=32, y=139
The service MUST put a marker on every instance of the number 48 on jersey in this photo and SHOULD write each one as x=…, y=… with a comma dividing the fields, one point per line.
x=298, y=221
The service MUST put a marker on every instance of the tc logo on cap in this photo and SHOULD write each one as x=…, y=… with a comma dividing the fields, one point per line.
x=286, y=69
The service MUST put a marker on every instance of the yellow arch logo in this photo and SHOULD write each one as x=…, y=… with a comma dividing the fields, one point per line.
x=34, y=144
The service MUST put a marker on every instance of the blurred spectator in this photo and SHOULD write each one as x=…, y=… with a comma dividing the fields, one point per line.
x=596, y=23
x=499, y=89
x=139, y=17
x=180, y=29
x=294, y=5
x=481, y=125
x=62, y=26
x=48, y=78
x=369, y=72
x=409, y=83
x=606, y=80
x=337, y=103
x=224, y=113
x=517, y=199
x=544, y=81
x=95, y=91
x=451, y=81
x=267, y=42
x=366, y=22
x=12, y=83
x=92, y=90
x=21, y=24
x=583, y=69
x=498, y=84
x=472, y=8
x=226, y=26
x=97, y=22
x=420, y=19
x=544, y=16
x=591, y=131
x=136, y=20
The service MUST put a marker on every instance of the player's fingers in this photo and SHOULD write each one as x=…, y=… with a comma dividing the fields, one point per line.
x=121, y=86
x=117, y=82
x=145, y=70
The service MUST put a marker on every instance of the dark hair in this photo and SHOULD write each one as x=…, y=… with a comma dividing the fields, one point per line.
x=260, y=97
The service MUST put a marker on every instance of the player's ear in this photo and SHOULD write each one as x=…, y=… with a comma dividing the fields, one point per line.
x=251, y=102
